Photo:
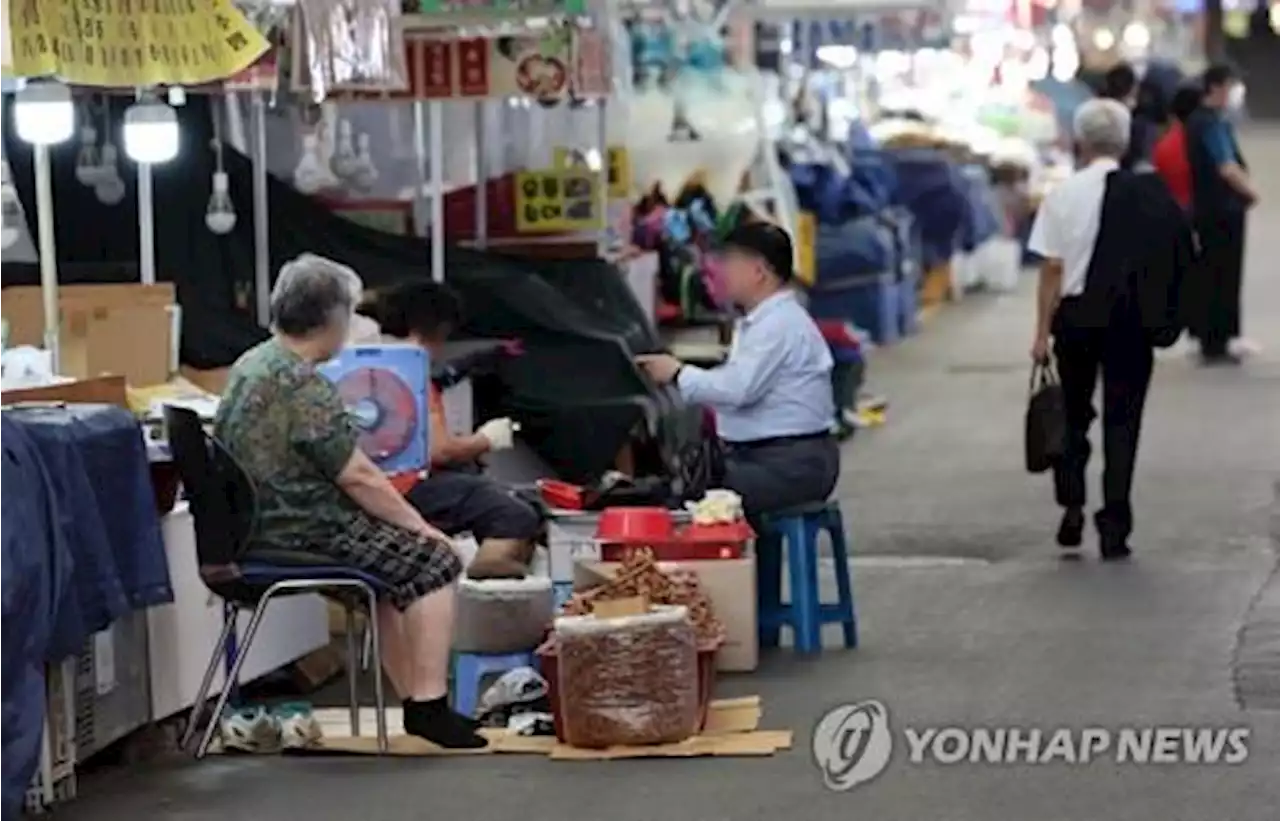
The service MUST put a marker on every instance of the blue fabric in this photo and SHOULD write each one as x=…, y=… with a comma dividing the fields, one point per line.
x=852, y=251
x=36, y=575
x=981, y=219
x=98, y=461
x=930, y=186
x=1219, y=142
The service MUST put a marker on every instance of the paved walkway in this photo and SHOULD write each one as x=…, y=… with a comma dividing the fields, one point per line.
x=967, y=616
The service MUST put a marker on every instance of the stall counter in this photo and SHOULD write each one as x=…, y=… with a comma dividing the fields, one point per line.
x=182, y=634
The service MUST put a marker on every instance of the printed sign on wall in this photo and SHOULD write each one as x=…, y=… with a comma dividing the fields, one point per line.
x=557, y=201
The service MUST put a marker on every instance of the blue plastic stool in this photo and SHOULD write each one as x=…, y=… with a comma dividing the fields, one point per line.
x=796, y=530
x=470, y=669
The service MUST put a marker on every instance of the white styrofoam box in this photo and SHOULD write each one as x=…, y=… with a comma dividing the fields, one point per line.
x=571, y=538
x=459, y=409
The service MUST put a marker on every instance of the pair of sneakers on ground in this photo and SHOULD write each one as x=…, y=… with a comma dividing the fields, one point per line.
x=292, y=726
x=1071, y=536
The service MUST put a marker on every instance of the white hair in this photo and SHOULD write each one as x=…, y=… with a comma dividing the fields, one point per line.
x=311, y=292
x=1101, y=127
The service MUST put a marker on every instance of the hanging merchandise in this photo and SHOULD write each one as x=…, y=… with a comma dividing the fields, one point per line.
x=313, y=174
x=363, y=172
x=344, y=160
x=12, y=211
x=88, y=162
x=348, y=45
x=132, y=44
x=109, y=187
x=456, y=11
x=220, y=216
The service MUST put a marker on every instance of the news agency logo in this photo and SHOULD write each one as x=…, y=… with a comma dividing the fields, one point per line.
x=853, y=744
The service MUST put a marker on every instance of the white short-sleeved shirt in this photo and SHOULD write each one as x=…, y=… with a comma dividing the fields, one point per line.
x=1066, y=226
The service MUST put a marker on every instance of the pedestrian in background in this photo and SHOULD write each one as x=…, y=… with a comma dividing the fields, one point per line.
x=1222, y=194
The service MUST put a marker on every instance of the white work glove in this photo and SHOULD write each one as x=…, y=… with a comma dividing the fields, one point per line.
x=499, y=432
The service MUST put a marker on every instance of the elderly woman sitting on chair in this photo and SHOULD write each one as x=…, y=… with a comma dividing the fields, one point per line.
x=319, y=494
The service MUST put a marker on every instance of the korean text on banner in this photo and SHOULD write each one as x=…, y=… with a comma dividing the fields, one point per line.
x=132, y=42
x=557, y=201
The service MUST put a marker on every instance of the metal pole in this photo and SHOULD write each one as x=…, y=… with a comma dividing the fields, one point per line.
x=146, y=224
x=420, y=215
x=482, y=178
x=261, y=217
x=435, y=150
x=47, y=247
x=602, y=195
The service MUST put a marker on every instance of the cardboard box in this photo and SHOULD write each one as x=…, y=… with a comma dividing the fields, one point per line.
x=105, y=329
x=731, y=586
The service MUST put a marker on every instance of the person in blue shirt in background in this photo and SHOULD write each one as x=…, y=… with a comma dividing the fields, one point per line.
x=772, y=397
x=1222, y=194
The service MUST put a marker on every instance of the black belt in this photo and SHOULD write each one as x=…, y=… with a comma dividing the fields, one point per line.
x=778, y=440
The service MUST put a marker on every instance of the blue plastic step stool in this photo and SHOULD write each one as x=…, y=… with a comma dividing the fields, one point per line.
x=795, y=531
x=470, y=670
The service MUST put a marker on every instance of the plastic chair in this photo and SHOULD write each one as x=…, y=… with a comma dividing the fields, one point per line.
x=223, y=504
x=795, y=531
x=470, y=669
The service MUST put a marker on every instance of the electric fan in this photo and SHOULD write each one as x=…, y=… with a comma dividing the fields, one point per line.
x=384, y=389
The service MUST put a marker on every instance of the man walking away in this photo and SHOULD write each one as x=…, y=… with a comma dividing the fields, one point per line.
x=1115, y=246
x=1222, y=193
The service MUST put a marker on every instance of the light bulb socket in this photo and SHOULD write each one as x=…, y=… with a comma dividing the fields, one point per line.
x=43, y=112
x=150, y=132
x=221, y=185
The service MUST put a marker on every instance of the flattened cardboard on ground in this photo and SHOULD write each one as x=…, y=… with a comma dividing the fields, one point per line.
x=732, y=730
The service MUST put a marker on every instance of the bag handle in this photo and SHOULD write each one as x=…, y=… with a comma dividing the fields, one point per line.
x=1043, y=374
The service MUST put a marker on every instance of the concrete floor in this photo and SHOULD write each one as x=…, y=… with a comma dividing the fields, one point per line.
x=968, y=619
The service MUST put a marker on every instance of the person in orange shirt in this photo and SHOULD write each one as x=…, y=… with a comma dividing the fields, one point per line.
x=1170, y=155
x=455, y=495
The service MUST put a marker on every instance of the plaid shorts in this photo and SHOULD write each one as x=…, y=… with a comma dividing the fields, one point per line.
x=408, y=564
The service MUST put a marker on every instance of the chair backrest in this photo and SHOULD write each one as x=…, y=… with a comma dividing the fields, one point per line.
x=222, y=496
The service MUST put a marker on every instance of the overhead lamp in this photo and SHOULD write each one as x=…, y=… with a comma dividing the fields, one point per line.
x=150, y=132
x=43, y=112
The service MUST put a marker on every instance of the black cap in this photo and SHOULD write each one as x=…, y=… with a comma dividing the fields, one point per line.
x=766, y=241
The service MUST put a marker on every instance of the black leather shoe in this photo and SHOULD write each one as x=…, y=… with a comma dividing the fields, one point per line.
x=1071, y=528
x=1115, y=552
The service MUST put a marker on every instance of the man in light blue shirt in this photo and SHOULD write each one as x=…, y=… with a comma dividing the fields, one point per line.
x=772, y=397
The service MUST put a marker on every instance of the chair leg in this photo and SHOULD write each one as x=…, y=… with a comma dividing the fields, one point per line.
x=769, y=588
x=844, y=584
x=802, y=565
x=233, y=675
x=206, y=684
x=379, y=697
x=366, y=648
x=353, y=673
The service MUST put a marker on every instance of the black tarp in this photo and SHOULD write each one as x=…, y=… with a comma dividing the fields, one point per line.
x=575, y=391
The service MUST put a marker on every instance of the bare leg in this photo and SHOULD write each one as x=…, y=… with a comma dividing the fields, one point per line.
x=427, y=630
x=395, y=653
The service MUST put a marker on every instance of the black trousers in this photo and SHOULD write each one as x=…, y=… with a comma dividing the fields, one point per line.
x=1221, y=276
x=783, y=473
x=458, y=501
x=1122, y=357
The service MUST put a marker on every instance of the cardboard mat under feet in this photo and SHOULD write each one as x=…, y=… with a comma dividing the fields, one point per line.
x=732, y=730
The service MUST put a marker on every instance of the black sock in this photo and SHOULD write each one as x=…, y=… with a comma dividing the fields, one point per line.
x=435, y=722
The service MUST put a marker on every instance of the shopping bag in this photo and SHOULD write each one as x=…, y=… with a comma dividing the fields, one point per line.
x=1046, y=433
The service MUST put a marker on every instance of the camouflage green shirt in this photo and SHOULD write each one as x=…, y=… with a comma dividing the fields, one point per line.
x=287, y=427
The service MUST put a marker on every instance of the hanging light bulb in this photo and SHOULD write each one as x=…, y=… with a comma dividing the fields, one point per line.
x=88, y=164
x=220, y=216
x=150, y=132
x=313, y=174
x=12, y=219
x=109, y=189
x=43, y=112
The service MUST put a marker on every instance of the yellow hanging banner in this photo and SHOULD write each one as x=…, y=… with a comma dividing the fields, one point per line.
x=123, y=43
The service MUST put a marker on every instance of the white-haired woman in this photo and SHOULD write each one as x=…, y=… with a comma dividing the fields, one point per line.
x=318, y=493
x=1115, y=248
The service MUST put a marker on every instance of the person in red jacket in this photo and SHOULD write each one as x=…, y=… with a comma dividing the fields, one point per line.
x=1170, y=154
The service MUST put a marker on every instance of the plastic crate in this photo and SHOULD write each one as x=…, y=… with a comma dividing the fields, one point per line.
x=873, y=303
x=113, y=684
x=55, y=778
x=548, y=665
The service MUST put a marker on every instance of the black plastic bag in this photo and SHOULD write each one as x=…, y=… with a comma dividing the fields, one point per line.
x=1046, y=419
